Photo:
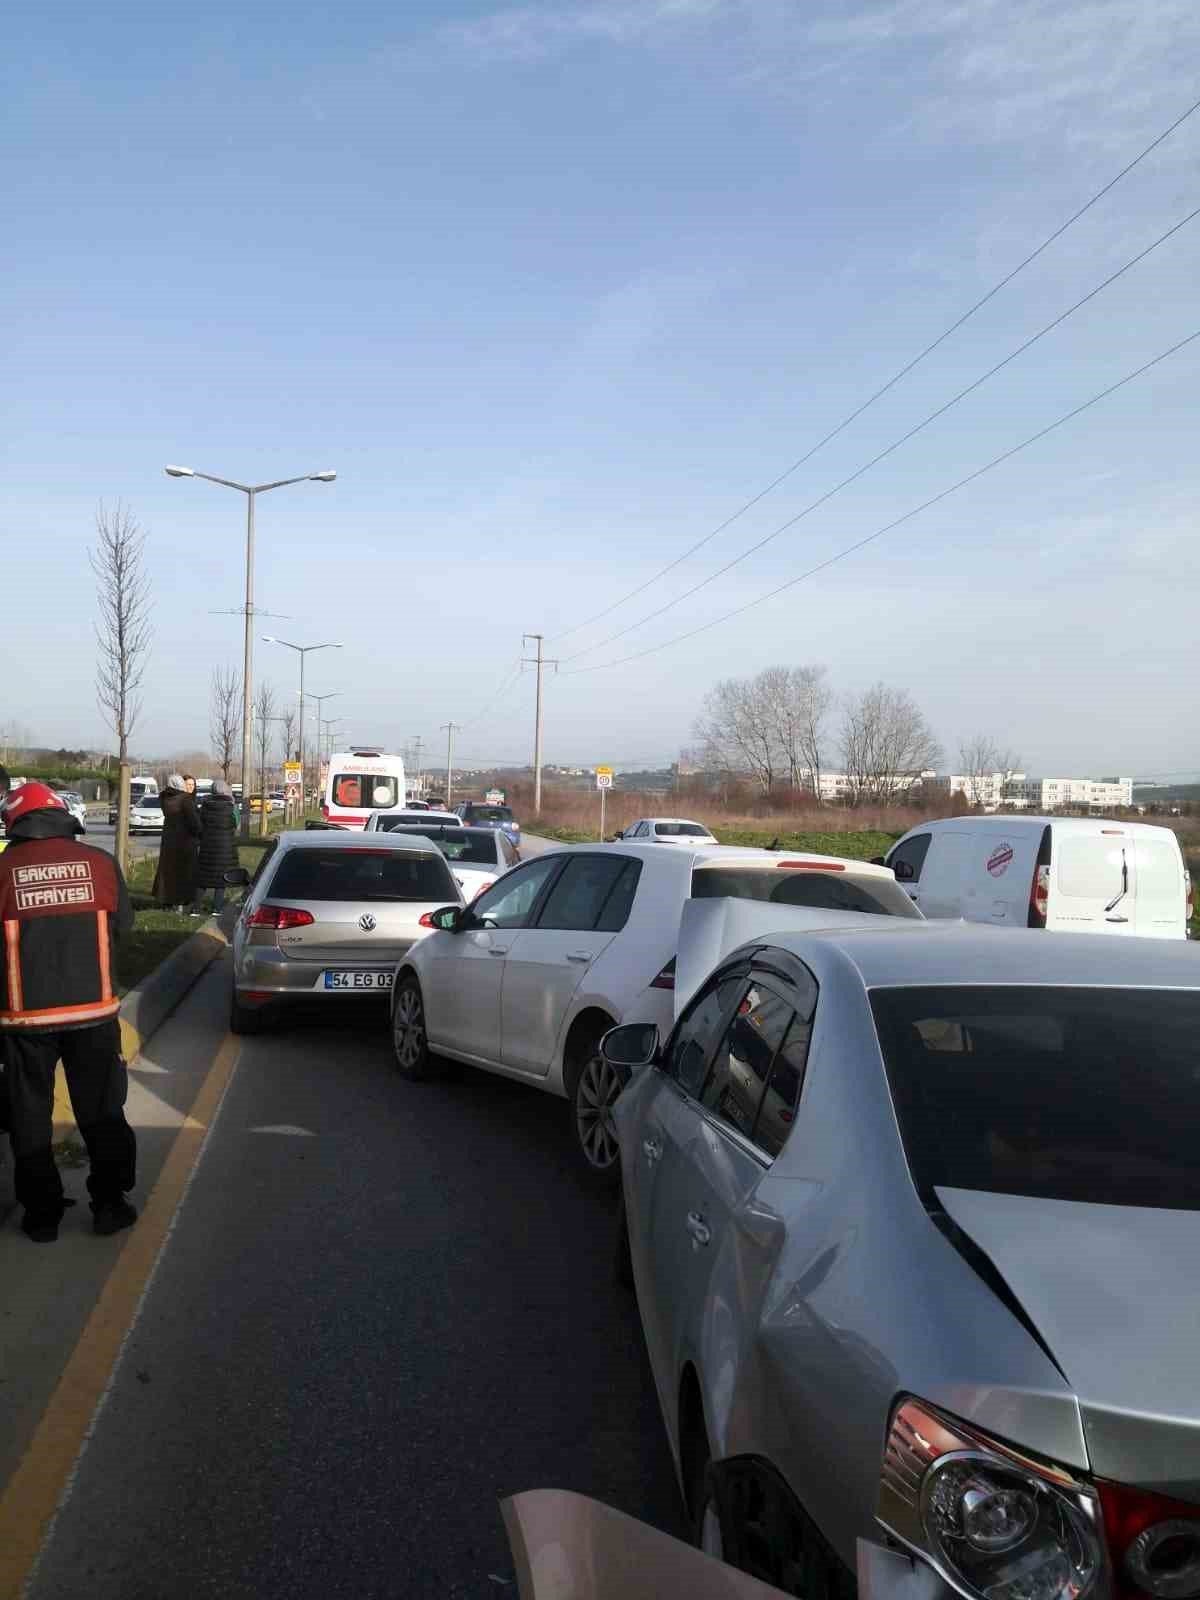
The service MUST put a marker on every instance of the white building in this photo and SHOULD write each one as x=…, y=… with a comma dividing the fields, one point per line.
x=987, y=789
x=1056, y=794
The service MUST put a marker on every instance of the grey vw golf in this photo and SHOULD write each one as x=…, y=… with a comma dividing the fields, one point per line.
x=912, y=1218
x=331, y=913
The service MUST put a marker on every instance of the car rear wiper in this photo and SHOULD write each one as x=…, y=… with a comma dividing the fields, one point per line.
x=1124, y=885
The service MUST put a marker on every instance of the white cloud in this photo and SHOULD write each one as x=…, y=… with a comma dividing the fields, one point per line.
x=532, y=33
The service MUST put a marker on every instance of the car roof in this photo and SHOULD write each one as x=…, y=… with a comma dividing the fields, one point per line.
x=1009, y=823
x=457, y=826
x=900, y=952
x=342, y=839
x=691, y=821
x=684, y=858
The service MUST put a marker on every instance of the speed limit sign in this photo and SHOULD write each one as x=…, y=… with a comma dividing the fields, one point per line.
x=604, y=777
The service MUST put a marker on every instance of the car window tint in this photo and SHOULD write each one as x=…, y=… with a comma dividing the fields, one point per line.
x=579, y=896
x=362, y=874
x=783, y=886
x=680, y=830
x=777, y=1111
x=266, y=856
x=508, y=903
x=911, y=853
x=698, y=1031
x=614, y=913
x=735, y=1083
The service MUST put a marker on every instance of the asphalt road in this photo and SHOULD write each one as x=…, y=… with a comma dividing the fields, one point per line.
x=105, y=838
x=384, y=1307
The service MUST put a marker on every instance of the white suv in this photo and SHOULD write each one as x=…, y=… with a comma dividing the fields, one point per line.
x=528, y=978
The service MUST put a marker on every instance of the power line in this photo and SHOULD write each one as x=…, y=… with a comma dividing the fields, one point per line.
x=514, y=674
x=962, y=394
x=907, y=516
x=892, y=381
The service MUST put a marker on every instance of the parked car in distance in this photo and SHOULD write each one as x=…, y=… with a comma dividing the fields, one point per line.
x=329, y=915
x=482, y=814
x=140, y=788
x=530, y=977
x=146, y=816
x=1064, y=874
x=477, y=856
x=385, y=821
x=867, y=1179
x=75, y=805
x=667, y=830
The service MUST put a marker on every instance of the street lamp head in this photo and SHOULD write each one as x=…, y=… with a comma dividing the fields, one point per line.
x=269, y=638
x=319, y=477
x=179, y=472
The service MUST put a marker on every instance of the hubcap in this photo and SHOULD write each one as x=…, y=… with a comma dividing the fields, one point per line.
x=599, y=1087
x=409, y=1028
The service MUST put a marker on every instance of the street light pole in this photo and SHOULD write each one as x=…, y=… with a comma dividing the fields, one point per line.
x=539, y=662
x=320, y=699
x=251, y=491
x=449, y=729
x=301, y=650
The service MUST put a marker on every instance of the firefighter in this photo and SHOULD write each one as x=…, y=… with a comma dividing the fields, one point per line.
x=62, y=903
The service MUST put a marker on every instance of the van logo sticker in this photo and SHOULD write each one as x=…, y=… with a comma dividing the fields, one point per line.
x=999, y=859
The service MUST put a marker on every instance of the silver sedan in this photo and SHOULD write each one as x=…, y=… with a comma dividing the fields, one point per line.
x=912, y=1216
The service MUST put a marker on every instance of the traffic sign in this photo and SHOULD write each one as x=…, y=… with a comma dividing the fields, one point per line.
x=291, y=772
x=604, y=777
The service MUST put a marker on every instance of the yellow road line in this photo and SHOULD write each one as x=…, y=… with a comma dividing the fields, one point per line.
x=32, y=1494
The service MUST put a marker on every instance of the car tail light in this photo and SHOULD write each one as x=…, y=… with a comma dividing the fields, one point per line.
x=279, y=918
x=992, y=1522
x=666, y=978
x=425, y=920
x=812, y=866
x=1154, y=1542
x=1039, y=897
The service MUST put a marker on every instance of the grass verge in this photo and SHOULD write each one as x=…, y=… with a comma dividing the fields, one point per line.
x=859, y=846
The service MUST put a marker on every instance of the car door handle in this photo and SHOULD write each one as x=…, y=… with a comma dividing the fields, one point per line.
x=652, y=1149
x=498, y=950
x=579, y=955
x=698, y=1228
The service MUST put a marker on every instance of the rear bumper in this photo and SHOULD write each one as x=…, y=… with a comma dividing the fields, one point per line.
x=269, y=971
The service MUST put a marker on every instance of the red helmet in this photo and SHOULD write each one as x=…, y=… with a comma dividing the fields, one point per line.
x=18, y=803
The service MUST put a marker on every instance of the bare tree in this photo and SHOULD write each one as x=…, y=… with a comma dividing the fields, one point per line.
x=288, y=721
x=123, y=631
x=264, y=717
x=225, y=717
x=796, y=702
x=980, y=759
x=734, y=732
x=886, y=744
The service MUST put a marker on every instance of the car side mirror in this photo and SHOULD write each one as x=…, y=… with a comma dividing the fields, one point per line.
x=237, y=878
x=878, y=861
x=904, y=871
x=633, y=1044
x=447, y=919
x=620, y=834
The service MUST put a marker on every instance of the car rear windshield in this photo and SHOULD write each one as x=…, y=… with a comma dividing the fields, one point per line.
x=1057, y=1093
x=802, y=886
x=149, y=802
x=491, y=814
x=456, y=844
x=680, y=830
x=362, y=874
x=365, y=791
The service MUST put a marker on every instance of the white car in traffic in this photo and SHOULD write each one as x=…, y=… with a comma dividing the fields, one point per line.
x=476, y=856
x=527, y=979
x=667, y=830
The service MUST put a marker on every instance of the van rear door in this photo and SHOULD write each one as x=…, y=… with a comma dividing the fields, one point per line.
x=1160, y=910
x=1093, y=882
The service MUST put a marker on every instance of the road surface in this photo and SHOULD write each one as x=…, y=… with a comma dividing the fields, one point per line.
x=105, y=838
x=383, y=1307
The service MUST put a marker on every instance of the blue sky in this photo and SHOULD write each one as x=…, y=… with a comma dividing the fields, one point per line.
x=555, y=289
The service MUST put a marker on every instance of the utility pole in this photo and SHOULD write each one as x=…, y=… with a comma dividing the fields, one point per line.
x=539, y=661
x=418, y=741
x=449, y=729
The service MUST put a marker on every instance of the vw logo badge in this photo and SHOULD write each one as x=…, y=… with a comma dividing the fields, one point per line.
x=367, y=922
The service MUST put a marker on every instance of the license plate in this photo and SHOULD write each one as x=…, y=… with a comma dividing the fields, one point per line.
x=358, y=980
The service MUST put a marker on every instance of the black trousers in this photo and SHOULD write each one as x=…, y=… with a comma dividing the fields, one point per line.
x=97, y=1083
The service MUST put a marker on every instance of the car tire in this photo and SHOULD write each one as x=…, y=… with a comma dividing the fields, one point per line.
x=244, y=1020
x=410, y=1044
x=593, y=1087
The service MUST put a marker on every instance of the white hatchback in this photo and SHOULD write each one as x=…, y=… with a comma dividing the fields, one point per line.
x=667, y=830
x=528, y=978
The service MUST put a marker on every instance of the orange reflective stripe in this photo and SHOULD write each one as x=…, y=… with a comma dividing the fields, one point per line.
x=102, y=952
x=12, y=951
x=94, y=1011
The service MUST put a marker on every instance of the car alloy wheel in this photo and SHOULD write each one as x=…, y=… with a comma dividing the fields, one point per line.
x=408, y=1030
x=595, y=1095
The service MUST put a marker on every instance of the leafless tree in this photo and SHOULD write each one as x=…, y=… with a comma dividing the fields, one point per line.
x=979, y=758
x=796, y=702
x=225, y=717
x=886, y=744
x=734, y=731
x=288, y=722
x=123, y=631
x=264, y=720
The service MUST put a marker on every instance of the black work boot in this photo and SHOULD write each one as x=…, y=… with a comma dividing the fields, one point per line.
x=41, y=1230
x=110, y=1216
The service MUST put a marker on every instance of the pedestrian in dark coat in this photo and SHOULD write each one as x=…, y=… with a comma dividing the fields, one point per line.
x=218, y=841
x=175, y=880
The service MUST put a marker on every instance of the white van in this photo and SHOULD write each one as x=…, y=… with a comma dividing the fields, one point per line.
x=360, y=782
x=1067, y=874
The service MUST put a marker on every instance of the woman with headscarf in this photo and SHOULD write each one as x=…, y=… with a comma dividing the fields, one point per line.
x=218, y=841
x=175, y=880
